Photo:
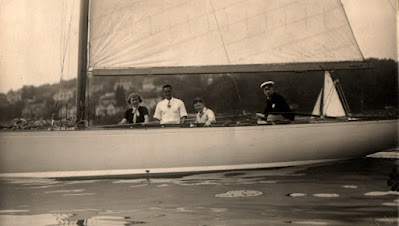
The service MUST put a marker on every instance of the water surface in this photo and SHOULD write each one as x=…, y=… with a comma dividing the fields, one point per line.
x=353, y=192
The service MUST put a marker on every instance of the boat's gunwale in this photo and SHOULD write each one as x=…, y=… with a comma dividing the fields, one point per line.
x=177, y=129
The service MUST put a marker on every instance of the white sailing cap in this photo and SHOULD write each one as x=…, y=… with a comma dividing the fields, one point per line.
x=268, y=83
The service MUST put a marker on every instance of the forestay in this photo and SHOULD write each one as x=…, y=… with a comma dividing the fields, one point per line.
x=207, y=33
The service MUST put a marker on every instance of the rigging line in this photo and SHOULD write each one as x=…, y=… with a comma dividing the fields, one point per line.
x=353, y=34
x=68, y=37
x=227, y=56
x=395, y=10
x=345, y=101
x=62, y=30
x=220, y=33
x=238, y=91
x=61, y=55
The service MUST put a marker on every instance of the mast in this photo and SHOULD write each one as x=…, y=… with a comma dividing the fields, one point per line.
x=82, y=60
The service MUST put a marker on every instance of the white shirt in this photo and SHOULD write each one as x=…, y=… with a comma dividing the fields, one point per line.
x=205, y=115
x=171, y=114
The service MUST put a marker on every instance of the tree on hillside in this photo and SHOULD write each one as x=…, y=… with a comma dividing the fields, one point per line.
x=28, y=92
x=120, y=96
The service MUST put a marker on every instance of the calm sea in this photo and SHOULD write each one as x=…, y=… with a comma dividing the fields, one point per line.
x=353, y=192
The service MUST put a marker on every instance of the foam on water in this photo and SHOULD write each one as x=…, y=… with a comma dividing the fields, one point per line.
x=83, y=182
x=326, y=195
x=139, y=185
x=133, y=181
x=381, y=193
x=66, y=191
x=349, y=186
x=390, y=204
x=14, y=211
x=80, y=194
x=183, y=209
x=31, y=181
x=239, y=193
x=309, y=222
x=388, y=220
x=296, y=194
x=393, y=154
x=74, y=210
x=218, y=210
x=32, y=220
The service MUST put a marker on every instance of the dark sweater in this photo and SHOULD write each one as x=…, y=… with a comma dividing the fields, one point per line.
x=277, y=103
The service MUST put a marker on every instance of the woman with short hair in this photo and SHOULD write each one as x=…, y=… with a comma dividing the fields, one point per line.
x=136, y=113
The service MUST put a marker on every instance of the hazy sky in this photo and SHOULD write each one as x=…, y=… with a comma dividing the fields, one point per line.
x=34, y=48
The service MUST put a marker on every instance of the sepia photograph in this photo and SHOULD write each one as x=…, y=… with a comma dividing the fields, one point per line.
x=199, y=112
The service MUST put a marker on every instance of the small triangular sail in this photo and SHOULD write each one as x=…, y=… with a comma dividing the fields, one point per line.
x=317, y=106
x=332, y=105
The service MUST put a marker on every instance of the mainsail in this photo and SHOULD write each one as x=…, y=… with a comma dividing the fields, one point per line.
x=145, y=34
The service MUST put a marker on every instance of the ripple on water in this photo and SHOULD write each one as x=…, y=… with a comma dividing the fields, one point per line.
x=79, y=194
x=385, y=155
x=296, y=194
x=309, y=222
x=82, y=182
x=32, y=181
x=349, y=186
x=218, y=210
x=390, y=204
x=239, y=193
x=133, y=181
x=14, y=211
x=139, y=185
x=183, y=209
x=109, y=220
x=381, y=193
x=388, y=220
x=326, y=195
x=66, y=191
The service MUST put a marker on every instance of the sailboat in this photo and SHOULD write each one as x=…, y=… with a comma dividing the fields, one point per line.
x=332, y=104
x=155, y=38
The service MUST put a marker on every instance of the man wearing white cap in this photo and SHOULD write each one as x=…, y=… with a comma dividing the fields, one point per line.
x=275, y=103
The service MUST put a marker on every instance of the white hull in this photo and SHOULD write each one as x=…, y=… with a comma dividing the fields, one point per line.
x=179, y=150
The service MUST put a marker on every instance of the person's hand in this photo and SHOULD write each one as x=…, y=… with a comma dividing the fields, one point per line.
x=183, y=120
x=260, y=115
x=246, y=113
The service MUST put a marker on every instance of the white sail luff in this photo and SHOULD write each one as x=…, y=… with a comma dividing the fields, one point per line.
x=317, y=106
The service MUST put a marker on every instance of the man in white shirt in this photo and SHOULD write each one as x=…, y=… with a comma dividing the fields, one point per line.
x=204, y=115
x=170, y=110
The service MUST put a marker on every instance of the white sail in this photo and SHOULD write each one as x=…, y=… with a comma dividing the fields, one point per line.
x=317, y=106
x=192, y=33
x=332, y=104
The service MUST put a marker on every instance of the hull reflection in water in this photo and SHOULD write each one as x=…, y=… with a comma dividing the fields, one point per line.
x=154, y=151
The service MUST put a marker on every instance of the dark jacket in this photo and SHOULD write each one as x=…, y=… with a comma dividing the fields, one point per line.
x=129, y=114
x=277, y=103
